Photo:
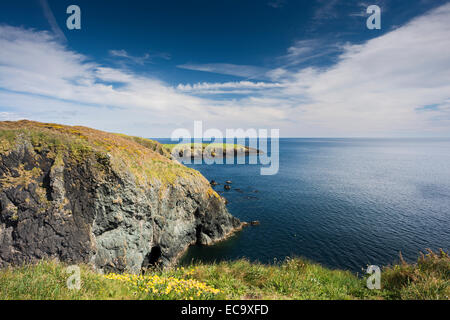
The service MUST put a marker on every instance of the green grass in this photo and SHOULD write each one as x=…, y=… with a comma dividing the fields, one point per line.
x=293, y=279
x=47, y=280
x=428, y=279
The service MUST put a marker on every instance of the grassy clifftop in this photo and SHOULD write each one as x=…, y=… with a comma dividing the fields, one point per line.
x=294, y=279
x=146, y=159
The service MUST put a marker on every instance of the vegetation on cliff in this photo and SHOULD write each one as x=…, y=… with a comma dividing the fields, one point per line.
x=147, y=159
x=297, y=278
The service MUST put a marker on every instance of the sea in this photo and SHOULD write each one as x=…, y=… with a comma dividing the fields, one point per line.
x=343, y=203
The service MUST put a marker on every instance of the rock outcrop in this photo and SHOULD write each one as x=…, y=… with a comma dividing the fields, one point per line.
x=191, y=151
x=119, y=203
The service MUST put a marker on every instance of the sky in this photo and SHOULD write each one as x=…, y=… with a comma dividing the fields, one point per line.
x=308, y=68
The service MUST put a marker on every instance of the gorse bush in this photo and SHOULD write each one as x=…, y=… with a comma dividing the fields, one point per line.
x=156, y=287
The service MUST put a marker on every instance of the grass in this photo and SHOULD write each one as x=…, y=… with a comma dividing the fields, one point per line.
x=428, y=279
x=47, y=280
x=293, y=279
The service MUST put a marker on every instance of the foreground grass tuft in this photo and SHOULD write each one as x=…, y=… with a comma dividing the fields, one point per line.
x=47, y=280
x=295, y=278
x=428, y=279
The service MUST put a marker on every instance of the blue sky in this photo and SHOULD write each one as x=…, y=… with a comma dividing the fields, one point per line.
x=308, y=68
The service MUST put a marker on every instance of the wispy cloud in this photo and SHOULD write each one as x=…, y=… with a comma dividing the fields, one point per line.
x=306, y=50
x=136, y=59
x=9, y=116
x=276, y=3
x=336, y=10
x=326, y=9
x=52, y=21
x=244, y=71
x=124, y=54
x=362, y=8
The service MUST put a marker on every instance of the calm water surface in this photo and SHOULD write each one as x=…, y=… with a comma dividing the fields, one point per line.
x=345, y=203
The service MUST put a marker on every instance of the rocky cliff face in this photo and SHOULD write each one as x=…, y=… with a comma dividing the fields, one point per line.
x=116, y=202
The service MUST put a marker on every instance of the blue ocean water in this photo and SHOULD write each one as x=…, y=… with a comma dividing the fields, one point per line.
x=345, y=203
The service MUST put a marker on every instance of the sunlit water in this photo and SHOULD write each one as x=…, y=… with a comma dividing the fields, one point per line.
x=345, y=203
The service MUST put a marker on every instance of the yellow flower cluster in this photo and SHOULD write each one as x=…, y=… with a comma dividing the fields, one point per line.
x=161, y=287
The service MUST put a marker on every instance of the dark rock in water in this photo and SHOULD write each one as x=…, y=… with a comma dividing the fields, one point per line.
x=255, y=223
x=213, y=183
x=108, y=200
x=228, y=182
x=227, y=187
x=239, y=190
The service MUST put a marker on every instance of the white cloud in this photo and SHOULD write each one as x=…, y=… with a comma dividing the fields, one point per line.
x=227, y=87
x=376, y=86
x=379, y=88
x=42, y=79
x=9, y=116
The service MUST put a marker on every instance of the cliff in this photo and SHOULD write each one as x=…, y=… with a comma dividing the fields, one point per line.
x=116, y=202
